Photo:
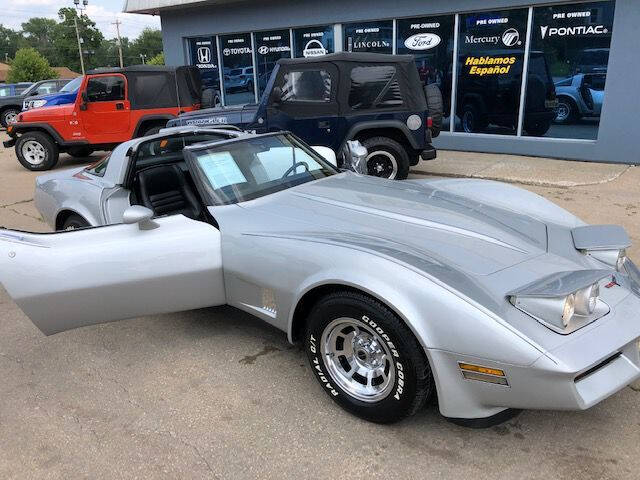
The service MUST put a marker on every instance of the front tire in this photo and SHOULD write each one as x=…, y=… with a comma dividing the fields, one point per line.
x=386, y=158
x=10, y=115
x=566, y=111
x=36, y=151
x=472, y=120
x=366, y=359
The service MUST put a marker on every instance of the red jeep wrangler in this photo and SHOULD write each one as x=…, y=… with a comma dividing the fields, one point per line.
x=111, y=106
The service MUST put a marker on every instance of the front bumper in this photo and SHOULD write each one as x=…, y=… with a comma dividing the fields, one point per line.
x=13, y=137
x=591, y=366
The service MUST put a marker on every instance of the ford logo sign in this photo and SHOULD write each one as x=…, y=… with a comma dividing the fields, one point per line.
x=422, y=41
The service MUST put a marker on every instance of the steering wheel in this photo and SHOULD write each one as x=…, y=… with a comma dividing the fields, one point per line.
x=293, y=167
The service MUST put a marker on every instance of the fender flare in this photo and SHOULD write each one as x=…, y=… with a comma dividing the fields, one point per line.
x=45, y=127
x=148, y=118
x=376, y=124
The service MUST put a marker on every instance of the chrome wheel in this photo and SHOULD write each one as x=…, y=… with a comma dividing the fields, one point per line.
x=563, y=111
x=382, y=164
x=11, y=117
x=34, y=152
x=358, y=360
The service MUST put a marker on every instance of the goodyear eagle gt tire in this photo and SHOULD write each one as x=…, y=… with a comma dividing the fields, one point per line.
x=366, y=359
x=37, y=151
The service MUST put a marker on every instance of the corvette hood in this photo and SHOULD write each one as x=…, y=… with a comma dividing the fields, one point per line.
x=402, y=217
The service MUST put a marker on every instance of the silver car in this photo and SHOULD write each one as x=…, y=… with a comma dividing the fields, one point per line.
x=580, y=96
x=486, y=295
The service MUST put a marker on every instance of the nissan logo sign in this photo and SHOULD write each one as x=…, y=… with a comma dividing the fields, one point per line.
x=511, y=37
x=204, y=55
x=422, y=41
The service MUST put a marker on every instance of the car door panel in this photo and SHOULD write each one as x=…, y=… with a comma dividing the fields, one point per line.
x=84, y=277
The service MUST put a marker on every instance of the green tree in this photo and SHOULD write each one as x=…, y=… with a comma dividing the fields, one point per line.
x=65, y=43
x=148, y=43
x=38, y=33
x=9, y=41
x=157, y=60
x=29, y=66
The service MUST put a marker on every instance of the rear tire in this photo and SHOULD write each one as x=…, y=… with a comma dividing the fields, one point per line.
x=74, y=222
x=152, y=131
x=537, y=129
x=435, y=105
x=8, y=116
x=366, y=358
x=566, y=111
x=36, y=151
x=386, y=158
x=472, y=120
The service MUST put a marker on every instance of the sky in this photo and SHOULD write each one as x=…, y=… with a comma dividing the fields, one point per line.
x=102, y=12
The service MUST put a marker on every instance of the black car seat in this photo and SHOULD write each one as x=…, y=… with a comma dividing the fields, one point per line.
x=164, y=189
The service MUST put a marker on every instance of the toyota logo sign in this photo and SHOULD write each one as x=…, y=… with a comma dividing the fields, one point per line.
x=204, y=55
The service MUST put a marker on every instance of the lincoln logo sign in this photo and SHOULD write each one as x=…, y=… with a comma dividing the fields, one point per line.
x=422, y=41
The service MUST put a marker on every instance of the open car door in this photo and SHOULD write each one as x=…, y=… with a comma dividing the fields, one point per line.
x=96, y=275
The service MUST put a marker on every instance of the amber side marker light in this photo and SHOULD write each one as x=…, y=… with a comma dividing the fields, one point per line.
x=483, y=374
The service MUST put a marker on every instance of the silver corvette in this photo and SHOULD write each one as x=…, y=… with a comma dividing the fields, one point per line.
x=486, y=295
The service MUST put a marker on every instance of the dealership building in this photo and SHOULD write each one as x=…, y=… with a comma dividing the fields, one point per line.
x=543, y=78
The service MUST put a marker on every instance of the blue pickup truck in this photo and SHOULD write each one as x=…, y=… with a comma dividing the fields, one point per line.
x=328, y=100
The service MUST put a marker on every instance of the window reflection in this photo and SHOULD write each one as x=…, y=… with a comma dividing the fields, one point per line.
x=270, y=47
x=237, y=67
x=574, y=40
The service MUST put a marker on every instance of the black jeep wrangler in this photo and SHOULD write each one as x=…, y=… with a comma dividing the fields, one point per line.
x=328, y=100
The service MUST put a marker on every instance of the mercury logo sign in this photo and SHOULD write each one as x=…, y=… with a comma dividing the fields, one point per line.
x=511, y=37
x=314, y=48
x=422, y=41
x=204, y=55
x=547, y=31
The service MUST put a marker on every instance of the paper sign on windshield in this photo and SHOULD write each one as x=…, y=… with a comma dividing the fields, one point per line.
x=221, y=169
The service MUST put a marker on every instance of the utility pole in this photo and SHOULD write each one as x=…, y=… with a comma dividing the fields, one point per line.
x=117, y=24
x=75, y=22
x=80, y=9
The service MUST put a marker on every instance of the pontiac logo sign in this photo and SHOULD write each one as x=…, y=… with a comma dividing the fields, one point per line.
x=204, y=55
x=422, y=41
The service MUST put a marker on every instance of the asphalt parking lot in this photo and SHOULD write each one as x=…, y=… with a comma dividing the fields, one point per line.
x=214, y=393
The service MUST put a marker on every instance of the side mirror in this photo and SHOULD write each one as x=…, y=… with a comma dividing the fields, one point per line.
x=140, y=215
x=355, y=157
x=328, y=154
x=276, y=96
x=85, y=100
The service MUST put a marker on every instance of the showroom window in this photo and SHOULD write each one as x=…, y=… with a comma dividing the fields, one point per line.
x=270, y=47
x=237, y=68
x=306, y=86
x=489, y=80
x=571, y=42
x=374, y=37
x=313, y=41
x=204, y=55
x=430, y=41
x=374, y=87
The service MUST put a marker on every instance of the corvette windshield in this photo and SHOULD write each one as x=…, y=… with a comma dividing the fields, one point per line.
x=247, y=169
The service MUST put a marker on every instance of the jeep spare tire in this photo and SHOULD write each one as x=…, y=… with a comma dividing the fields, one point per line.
x=386, y=158
x=36, y=151
x=435, y=105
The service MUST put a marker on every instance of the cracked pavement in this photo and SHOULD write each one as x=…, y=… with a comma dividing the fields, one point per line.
x=214, y=393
